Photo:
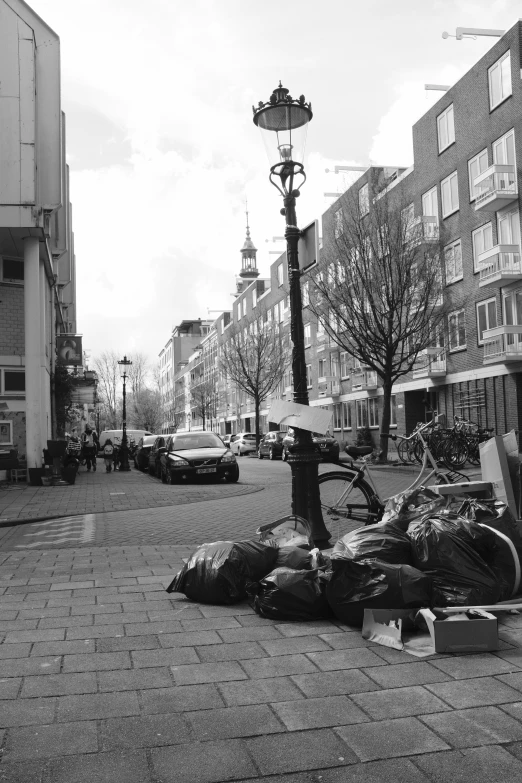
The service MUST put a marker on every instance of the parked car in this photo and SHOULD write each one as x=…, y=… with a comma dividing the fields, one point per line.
x=271, y=445
x=326, y=445
x=243, y=443
x=196, y=455
x=226, y=440
x=141, y=455
x=154, y=455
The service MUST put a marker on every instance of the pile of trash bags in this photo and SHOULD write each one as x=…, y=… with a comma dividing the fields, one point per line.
x=422, y=554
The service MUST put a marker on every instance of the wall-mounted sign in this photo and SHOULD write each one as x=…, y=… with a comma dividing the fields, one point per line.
x=69, y=350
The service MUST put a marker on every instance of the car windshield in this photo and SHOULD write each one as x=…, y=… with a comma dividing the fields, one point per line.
x=149, y=440
x=203, y=440
x=249, y=437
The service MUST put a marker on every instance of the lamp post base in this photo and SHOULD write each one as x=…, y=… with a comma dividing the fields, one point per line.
x=306, y=500
x=124, y=460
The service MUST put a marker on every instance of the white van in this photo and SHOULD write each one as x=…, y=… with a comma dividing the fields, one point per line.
x=117, y=435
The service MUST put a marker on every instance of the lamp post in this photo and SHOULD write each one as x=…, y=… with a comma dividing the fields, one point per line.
x=124, y=451
x=284, y=121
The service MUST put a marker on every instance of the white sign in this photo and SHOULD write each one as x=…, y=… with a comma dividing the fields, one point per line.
x=303, y=416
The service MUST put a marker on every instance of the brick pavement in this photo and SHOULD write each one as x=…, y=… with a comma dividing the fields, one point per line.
x=107, y=678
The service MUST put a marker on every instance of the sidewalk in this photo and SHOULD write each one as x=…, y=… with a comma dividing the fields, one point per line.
x=108, y=679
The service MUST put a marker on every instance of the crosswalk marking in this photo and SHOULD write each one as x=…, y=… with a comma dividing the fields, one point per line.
x=66, y=530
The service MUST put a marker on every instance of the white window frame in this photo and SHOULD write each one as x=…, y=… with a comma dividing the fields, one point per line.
x=11, y=281
x=321, y=368
x=508, y=227
x=482, y=240
x=305, y=294
x=338, y=223
x=449, y=189
x=3, y=391
x=320, y=327
x=364, y=200
x=430, y=203
x=344, y=364
x=307, y=335
x=373, y=413
x=6, y=433
x=476, y=165
x=254, y=296
x=450, y=254
x=459, y=346
x=280, y=275
x=308, y=376
x=337, y=418
x=335, y=367
x=499, y=76
x=361, y=407
x=501, y=145
x=489, y=325
x=446, y=128
x=347, y=416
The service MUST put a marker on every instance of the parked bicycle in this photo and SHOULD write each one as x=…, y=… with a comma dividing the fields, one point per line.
x=351, y=495
x=463, y=443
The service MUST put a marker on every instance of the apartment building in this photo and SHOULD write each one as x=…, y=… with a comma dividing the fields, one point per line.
x=37, y=261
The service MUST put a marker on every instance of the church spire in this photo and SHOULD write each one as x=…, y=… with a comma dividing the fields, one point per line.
x=249, y=270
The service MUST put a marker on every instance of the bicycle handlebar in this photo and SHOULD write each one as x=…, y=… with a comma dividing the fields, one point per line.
x=388, y=435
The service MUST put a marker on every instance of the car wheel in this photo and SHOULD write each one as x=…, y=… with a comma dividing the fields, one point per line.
x=151, y=471
x=163, y=475
x=271, y=454
x=232, y=478
x=259, y=455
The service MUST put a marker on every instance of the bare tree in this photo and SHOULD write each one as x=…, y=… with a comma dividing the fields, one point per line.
x=379, y=294
x=254, y=359
x=147, y=411
x=204, y=400
x=137, y=373
x=108, y=372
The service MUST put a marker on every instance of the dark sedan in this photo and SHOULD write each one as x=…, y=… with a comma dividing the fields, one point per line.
x=197, y=455
x=271, y=445
x=141, y=455
x=155, y=453
x=327, y=446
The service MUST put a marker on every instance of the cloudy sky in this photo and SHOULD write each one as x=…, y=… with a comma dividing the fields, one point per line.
x=162, y=149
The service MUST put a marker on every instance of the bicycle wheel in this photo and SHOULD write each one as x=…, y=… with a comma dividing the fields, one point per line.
x=347, y=502
x=455, y=453
x=403, y=452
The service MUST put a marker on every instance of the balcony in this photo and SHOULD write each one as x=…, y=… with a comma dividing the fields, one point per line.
x=430, y=363
x=496, y=186
x=503, y=344
x=365, y=380
x=423, y=229
x=499, y=266
x=328, y=386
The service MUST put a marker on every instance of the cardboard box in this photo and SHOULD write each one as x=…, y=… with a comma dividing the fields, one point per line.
x=495, y=468
x=480, y=489
x=476, y=632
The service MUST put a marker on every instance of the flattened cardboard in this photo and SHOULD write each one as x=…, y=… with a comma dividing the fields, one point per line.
x=303, y=416
x=464, y=488
x=495, y=468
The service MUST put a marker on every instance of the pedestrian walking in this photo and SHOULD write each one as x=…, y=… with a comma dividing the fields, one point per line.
x=108, y=455
x=90, y=446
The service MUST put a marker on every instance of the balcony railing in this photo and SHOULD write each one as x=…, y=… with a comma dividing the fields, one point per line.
x=423, y=229
x=430, y=363
x=495, y=187
x=503, y=344
x=365, y=380
x=500, y=265
x=329, y=386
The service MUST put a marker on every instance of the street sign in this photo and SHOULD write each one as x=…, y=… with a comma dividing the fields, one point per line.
x=308, y=246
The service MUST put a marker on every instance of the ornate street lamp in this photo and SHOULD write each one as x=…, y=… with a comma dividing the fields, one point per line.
x=124, y=451
x=283, y=122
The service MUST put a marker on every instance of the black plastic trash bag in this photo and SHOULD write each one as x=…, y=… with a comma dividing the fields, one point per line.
x=411, y=504
x=495, y=514
x=382, y=542
x=294, y=557
x=450, y=549
x=218, y=573
x=372, y=584
x=287, y=594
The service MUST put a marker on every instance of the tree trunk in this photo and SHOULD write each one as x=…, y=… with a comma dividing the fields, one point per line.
x=385, y=422
x=257, y=405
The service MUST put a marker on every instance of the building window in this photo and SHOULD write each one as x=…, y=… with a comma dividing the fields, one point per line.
x=457, y=330
x=334, y=365
x=322, y=368
x=345, y=369
x=482, y=239
x=361, y=407
x=430, y=204
x=476, y=166
x=347, y=416
x=11, y=270
x=12, y=381
x=499, y=76
x=320, y=327
x=308, y=335
x=254, y=296
x=6, y=433
x=281, y=306
x=449, y=194
x=338, y=223
x=373, y=412
x=504, y=149
x=280, y=275
x=393, y=410
x=508, y=228
x=308, y=376
x=453, y=262
x=446, y=128
x=305, y=292
x=364, y=200
x=486, y=317
x=337, y=416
